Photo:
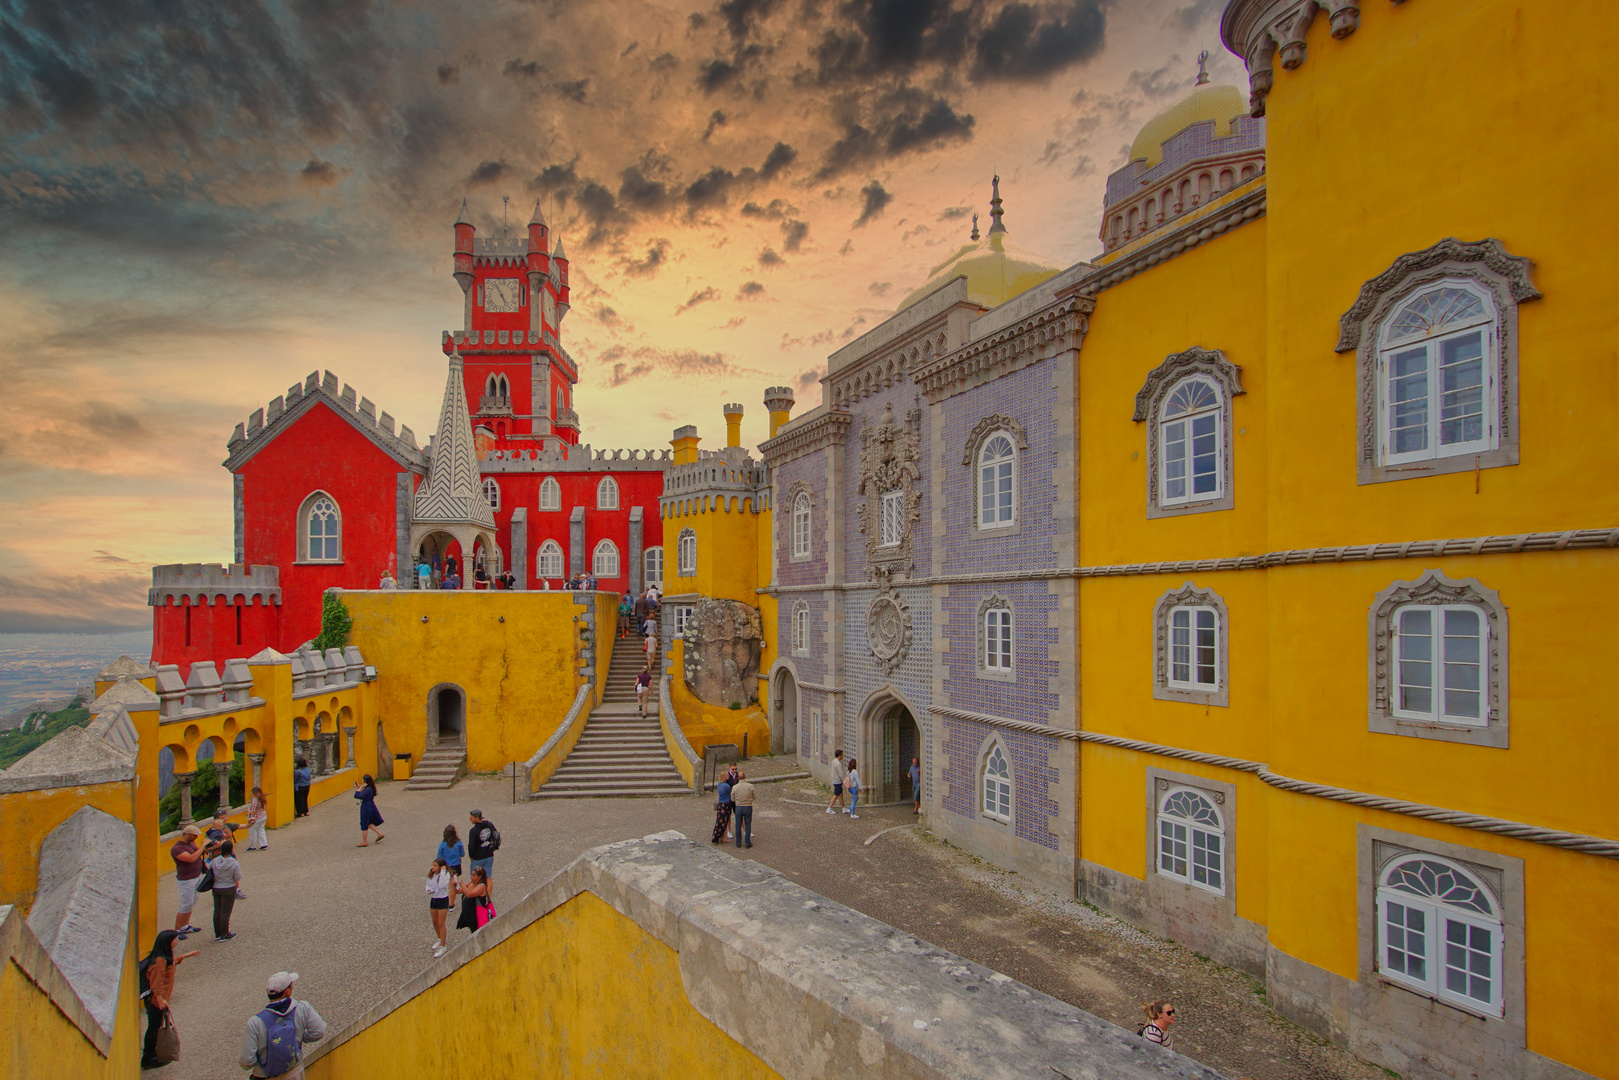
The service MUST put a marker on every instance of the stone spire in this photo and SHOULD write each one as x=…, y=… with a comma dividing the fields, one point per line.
x=1202, y=68
x=559, y=253
x=462, y=218
x=452, y=493
x=539, y=218
x=996, y=226
x=975, y=226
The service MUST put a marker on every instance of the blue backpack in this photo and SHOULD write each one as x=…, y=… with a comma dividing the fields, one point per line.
x=283, y=1050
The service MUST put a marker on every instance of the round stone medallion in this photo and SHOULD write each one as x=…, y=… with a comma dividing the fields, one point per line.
x=887, y=629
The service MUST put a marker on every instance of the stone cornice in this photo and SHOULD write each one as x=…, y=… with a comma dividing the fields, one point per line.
x=1256, y=30
x=1166, y=243
x=266, y=424
x=1062, y=324
x=829, y=429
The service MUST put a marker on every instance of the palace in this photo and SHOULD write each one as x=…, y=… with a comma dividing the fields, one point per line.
x=1245, y=581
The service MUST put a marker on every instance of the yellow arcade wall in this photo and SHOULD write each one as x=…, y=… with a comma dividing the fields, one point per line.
x=41, y=1041
x=513, y=654
x=584, y=990
x=705, y=725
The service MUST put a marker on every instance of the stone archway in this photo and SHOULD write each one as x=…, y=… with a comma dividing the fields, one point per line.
x=888, y=737
x=784, y=701
x=446, y=716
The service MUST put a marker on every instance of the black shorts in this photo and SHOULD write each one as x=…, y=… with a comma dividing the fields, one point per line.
x=837, y=789
x=438, y=903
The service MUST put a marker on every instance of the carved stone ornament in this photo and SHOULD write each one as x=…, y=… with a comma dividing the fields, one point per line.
x=990, y=424
x=1257, y=30
x=1194, y=361
x=888, y=630
x=1435, y=588
x=1449, y=257
x=890, y=460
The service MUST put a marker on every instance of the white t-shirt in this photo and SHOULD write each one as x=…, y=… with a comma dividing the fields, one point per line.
x=438, y=885
x=853, y=783
x=838, y=771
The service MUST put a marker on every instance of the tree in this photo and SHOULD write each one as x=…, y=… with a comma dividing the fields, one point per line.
x=335, y=624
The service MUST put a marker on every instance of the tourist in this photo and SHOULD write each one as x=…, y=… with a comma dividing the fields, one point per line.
x=439, y=883
x=853, y=783
x=482, y=843
x=220, y=831
x=424, y=575
x=643, y=686
x=742, y=796
x=839, y=774
x=640, y=610
x=916, y=785
x=188, y=865
x=302, y=775
x=157, y=988
x=1160, y=1018
x=452, y=568
x=256, y=815
x=366, y=791
x=626, y=612
x=722, y=810
x=476, y=910
x=649, y=648
x=388, y=583
x=508, y=580
x=278, y=1033
x=451, y=850
x=227, y=879
x=448, y=582
x=480, y=578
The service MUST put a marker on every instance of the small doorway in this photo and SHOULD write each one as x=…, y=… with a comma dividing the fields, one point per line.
x=898, y=740
x=787, y=712
x=446, y=716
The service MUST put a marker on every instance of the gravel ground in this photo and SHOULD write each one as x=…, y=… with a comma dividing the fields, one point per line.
x=353, y=921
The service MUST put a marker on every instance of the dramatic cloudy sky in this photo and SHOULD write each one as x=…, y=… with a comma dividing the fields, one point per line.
x=201, y=203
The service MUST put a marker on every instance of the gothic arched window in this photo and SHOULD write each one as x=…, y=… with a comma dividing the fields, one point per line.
x=320, y=528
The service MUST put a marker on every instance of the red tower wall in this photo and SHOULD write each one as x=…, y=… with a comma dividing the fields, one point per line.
x=185, y=631
x=579, y=489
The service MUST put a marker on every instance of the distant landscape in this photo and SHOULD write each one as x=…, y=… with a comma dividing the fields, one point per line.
x=49, y=667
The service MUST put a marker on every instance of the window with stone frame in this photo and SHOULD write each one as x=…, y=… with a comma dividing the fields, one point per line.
x=1191, y=839
x=682, y=617
x=801, y=526
x=997, y=482
x=550, y=494
x=550, y=560
x=997, y=651
x=1438, y=661
x=997, y=784
x=1435, y=338
x=686, y=553
x=652, y=565
x=1191, y=646
x=320, y=529
x=1186, y=404
x=604, y=561
x=1440, y=932
x=491, y=493
x=801, y=623
x=607, y=494
x=893, y=514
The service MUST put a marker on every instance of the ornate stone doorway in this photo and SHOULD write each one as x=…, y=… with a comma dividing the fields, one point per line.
x=785, y=700
x=889, y=739
x=446, y=716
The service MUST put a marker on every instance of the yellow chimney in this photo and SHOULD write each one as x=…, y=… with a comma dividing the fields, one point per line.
x=733, y=425
x=685, y=444
x=779, y=400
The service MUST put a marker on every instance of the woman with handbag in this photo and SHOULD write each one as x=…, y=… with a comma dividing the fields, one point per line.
x=476, y=908
x=157, y=987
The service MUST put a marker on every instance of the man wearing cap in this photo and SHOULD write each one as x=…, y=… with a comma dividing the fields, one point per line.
x=188, y=864
x=278, y=1033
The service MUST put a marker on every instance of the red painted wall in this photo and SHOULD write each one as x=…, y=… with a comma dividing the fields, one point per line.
x=215, y=632
x=579, y=489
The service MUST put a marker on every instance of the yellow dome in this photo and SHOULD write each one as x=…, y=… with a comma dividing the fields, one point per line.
x=1222, y=104
x=996, y=270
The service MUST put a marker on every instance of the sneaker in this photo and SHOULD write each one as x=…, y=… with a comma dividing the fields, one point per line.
x=854, y=815
x=438, y=951
x=227, y=937
x=829, y=809
x=845, y=809
x=193, y=929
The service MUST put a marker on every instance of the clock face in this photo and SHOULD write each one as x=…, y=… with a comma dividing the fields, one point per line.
x=500, y=294
x=550, y=309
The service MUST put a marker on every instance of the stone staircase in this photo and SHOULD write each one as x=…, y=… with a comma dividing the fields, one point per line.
x=619, y=752
x=438, y=769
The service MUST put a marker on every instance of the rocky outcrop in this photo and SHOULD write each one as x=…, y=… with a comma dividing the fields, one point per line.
x=724, y=639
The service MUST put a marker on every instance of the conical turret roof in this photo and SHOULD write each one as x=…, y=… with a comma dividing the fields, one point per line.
x=452, y=493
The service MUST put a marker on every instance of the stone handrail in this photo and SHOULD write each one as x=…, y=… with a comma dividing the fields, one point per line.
x=674, y=740
x=560, y=744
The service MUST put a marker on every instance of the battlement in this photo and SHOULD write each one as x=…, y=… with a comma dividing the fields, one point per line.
x=500, y=245
x=730, y=470
x=579, y=458
x=473, y=342
x=213, y=583
x=254, y=432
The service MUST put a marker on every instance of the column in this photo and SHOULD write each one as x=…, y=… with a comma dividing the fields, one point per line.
x=348, y=734
x=637, y=563
x=577, y=559
x=520, y=560
x=331, y=753
x=223, y=769
x=184, y=780
x=256, y=771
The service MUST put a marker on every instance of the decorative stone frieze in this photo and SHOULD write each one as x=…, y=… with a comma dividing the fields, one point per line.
x=807, y=436
x=1062, y=324
x=1257, y=30
x=988, y=425
x=1171, y=241
x=890, y=461
x=1176, y=366
x=888, y=367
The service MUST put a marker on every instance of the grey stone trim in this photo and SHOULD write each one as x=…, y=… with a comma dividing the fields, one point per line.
x=791, y=505
x=404, y=501
x=247, y=440
x=1190, y=595
x=520, y=562
x=823, y=689
x=888, y=630
x=808, y=434
x=1189, y=231
x=211, y=583
x=20, y=946
x=792, y=632
x=1149, y=402
x=1257, y=29
x=637, y=567
x=994, y=601
x=301, y=553
x=239, y=518
x=1060, y=325
x=681, y=570
x=1433, y=587
x=1590, y=845
x=576, y=542
x=672, y=733
x=890, y=461
x=574, y=459
x=1503, y=544
x=1485, y=263
x=988, y=426
x=581, y=698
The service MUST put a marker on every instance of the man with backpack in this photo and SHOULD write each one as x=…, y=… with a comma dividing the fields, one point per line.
x=278, y=1033
x=483, y=840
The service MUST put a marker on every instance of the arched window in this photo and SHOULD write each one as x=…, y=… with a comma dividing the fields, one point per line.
x=997, y=482
x=801, y=526
x=801, y=620
x=1437, y=393
x=550, y=560
x=550, y=494
x=652, y=564
x=320, y=528
x=995, y=649
x=1439, y=932
x=1190, y=637
x=604, y=564
x=491, y=492
x=607, y=494
x=1191, y=840
x=687, y=553
x=1189, y=427
x=997, y=785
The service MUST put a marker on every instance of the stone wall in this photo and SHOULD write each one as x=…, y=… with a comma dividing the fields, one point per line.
x=724, y=640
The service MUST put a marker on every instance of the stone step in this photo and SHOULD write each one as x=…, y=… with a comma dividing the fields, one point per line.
x=564, y=777
x=673, y=786
x=615, y=793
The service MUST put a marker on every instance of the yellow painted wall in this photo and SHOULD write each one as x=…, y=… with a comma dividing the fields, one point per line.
x=704, y=724
x=519, y=676
x=40, y=1041
x=30, y=816
x=583, y=991
x=728, y=540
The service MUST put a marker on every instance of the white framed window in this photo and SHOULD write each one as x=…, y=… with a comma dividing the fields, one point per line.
x=997, y=785
x=1439, y=932
x=1194, y=648
x=604, y=561
x=801, y=621
x=998, y=639
x=1436, y=385
x=652, y=565
x=801, y=526
x=550, y=494
x=1192, y=443
x=686, y=553
x=550, y=560
x=491, y=492
x=1438, y=652
x=997, y=482
x=607, y=494
x=320, y=528
x=1191, y=840
x=1439, y=657
x=893, y=513
x=682, y=617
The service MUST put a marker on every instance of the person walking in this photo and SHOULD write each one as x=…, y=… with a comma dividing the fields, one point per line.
x=278, y=1033
x=476, y=910
x=227, y=879
x=916, y=785
x=626, y=612
x=641, y=609
x=853, y=784
x=257, y=812
x=1160, y=1018
x=188, y=865
x=482, y=842
x=439, y=884
x=302, y=776
x=722, y=810
x=157, y=987
x=742, y=795
x=451, y=850
x=366, y=791
x=643, y=686
x=840, y=773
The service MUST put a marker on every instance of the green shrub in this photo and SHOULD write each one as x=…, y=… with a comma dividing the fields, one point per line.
x=37, y=730
x=204, y=794
x=335, y=624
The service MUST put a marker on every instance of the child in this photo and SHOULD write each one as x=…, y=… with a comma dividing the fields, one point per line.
x=256, y=814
